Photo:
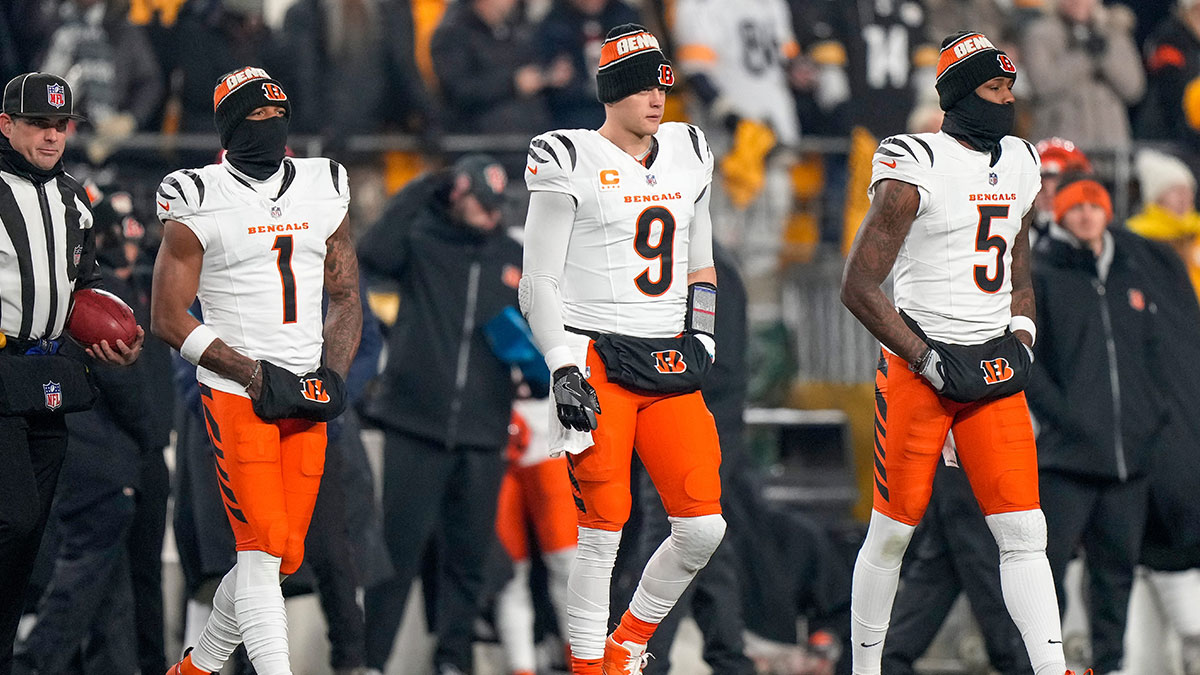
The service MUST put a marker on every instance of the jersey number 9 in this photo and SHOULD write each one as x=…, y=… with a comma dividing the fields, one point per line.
x=662, y=251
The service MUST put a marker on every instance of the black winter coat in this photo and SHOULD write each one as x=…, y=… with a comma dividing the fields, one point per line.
x=1095, y=385
x=442, y=380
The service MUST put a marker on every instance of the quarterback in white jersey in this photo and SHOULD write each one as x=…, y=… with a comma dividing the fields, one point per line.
x=620, y=291
x=259, y=239
x=950, y=218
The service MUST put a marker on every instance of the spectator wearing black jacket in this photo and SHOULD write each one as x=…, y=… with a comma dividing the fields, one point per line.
x=487, y=69
x=1094, y=394
x=572, y=32
x=1172, y=65
x=445, y=398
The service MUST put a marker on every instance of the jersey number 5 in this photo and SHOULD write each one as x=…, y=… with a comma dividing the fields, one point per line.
x=283, y=244
x=985, y=241
x=662, y=251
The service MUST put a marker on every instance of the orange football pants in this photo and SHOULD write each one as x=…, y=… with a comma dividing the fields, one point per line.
x=994, y=440
x=536, y=494
x=676, y=439
x=269, y=474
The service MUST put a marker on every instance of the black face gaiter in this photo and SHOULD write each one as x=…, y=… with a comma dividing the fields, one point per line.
x=257, y=147
x=979, y=123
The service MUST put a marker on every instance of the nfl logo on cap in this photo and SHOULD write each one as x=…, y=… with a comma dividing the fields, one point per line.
x=53, y=391
x=56, y=95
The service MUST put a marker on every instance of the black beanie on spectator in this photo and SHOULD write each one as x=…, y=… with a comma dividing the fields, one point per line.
x=631, y=61
x=239, y=93
x=967, y=60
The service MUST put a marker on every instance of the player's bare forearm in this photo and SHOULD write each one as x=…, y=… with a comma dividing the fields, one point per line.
x=343, y=320
x=176, y=278
x=707, y=275
x=870, y=262
x=1022, y=281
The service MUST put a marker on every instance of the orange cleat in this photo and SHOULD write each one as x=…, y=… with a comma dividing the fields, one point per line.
x=627, y=658
x=186, y=667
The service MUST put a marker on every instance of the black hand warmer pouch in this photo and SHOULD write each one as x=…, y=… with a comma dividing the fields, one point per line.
x=994, y=369
x=318, y=396
x=674, y=365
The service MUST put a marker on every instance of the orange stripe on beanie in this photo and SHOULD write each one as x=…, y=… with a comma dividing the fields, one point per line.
x=967, y=60
x=631, y=60
x=1085, y=191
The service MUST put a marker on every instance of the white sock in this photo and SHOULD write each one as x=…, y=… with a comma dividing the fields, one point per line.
x=558, y=571
x=261, y=617
x=514, y=619
x=876, y=576
x=1179, y=593
x=675, y=564
x=220, y=635
x=1028, y=586
x=588, y=589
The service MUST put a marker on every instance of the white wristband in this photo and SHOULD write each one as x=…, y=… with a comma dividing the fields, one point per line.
x=196, y=342
x=1022, y=322
x=558, y=357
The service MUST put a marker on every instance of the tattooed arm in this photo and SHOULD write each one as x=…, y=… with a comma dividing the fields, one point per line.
x=176, y=279
x=871, y=258
x=343, y=320
x=1022, y=282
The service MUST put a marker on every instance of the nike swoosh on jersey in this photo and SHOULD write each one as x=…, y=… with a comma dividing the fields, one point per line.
x=868, y=646
x=890, y=165
x=533, y=170
x=165, y=207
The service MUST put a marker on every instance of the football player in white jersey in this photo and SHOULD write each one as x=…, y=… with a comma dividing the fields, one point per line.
x=259, y=239
x=949, y=218
x=620, y=291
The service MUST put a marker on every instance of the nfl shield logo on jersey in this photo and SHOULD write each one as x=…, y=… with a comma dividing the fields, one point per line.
x=77, y=253
x=651, y=180
x=56, y=95
x=993, y=178
x=53, y=391
x=276, y=212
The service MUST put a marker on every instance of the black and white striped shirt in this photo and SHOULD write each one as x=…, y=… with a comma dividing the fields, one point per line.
x=47, y=250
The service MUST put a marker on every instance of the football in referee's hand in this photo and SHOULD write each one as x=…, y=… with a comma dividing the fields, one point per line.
x=97, y=315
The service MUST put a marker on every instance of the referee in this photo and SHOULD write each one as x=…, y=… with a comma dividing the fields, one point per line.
x=48, y=252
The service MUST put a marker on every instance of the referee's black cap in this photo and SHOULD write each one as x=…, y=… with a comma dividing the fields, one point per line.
x=39, y=95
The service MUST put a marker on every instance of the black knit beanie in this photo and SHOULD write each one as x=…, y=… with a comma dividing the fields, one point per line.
x=631, y=61
x=239, y=93
x=967, y=60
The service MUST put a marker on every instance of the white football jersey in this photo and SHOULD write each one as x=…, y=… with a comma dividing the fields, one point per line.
x=744, y=46
x=953, y=272
x=263, y=274
x=627, y=263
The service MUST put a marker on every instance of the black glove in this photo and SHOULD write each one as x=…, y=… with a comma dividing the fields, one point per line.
x=319, y=396
x=574, y=399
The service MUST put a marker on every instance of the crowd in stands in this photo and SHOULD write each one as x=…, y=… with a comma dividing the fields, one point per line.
x=1117, y=79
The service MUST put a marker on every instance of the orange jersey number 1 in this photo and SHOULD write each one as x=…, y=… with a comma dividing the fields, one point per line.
x=283, y=244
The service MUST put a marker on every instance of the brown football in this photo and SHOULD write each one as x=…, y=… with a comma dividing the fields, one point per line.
x=98, y=315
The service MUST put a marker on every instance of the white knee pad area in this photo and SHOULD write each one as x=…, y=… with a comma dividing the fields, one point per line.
x=695, y=539
x=886, y=541
x=1019, y=532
